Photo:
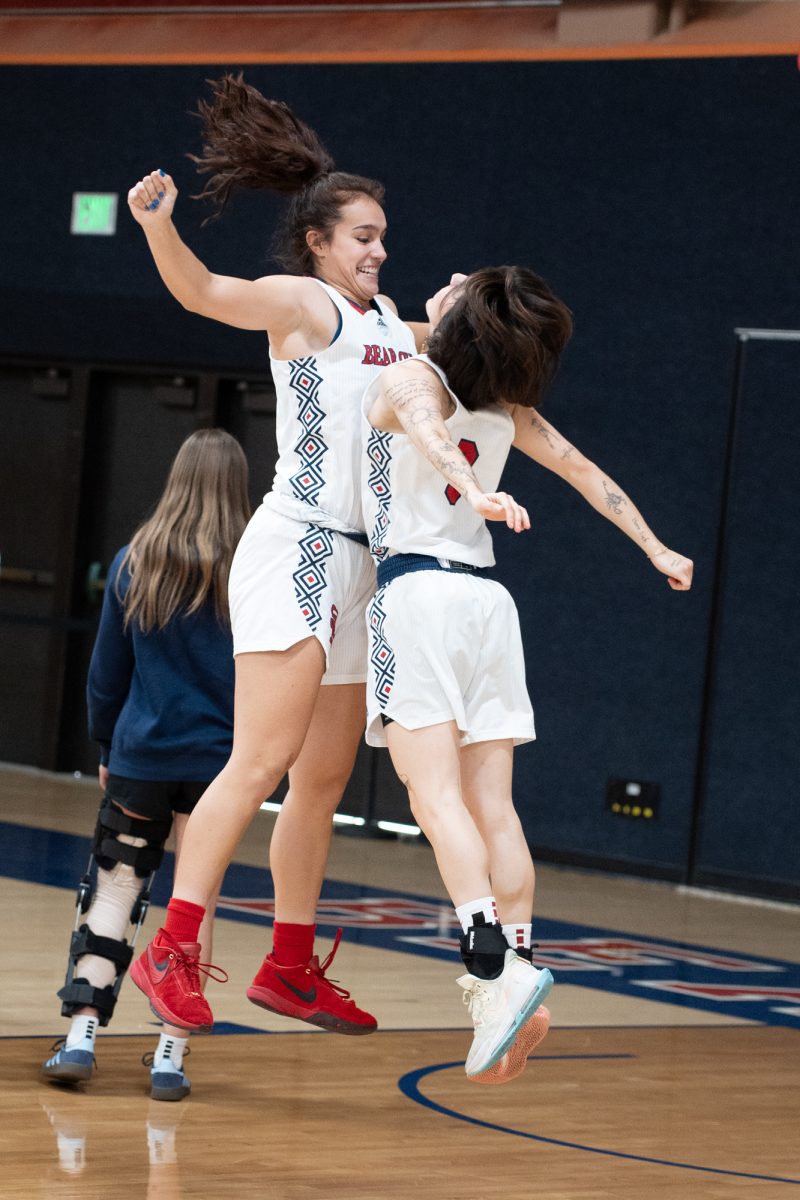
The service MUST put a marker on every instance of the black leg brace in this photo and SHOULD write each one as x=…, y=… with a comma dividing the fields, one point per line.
x=107, y=850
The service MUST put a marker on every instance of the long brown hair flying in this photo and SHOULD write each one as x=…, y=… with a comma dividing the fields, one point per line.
x=250, y=142
x=502, y=338
x=181, y=556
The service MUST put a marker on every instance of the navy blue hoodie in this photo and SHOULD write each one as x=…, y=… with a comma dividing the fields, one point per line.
x=160, y=703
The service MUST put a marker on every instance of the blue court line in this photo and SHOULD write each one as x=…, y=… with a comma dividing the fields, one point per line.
x=409, y=1086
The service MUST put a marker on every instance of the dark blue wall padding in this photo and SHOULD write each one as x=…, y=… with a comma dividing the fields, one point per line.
x=659, y=198
x=750, y=816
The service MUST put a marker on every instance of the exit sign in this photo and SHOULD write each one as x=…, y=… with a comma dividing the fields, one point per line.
x=94, y=212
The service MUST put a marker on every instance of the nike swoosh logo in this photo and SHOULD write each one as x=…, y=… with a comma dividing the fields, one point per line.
x=160, y=967
x=308, y=996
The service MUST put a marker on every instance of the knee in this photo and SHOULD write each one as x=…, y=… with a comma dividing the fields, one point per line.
x=257, y=776
x=430, y=808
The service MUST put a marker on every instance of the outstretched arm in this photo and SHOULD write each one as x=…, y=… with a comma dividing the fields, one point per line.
x=540, y=441
x=413, y=400
x=272, y=303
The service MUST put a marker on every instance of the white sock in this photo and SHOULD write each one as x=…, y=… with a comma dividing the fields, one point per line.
x=172, y=1048
x=486, y=907
x=161, y=1145
x=518, y=936
x=110, y=914
x=82, y=1033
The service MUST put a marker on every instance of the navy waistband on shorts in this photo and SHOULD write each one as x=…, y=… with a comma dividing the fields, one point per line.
x=402, y=564
x=361, y=538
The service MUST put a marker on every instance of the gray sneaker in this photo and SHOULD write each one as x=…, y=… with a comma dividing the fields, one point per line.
x=167, y=1082
x=68, y=1066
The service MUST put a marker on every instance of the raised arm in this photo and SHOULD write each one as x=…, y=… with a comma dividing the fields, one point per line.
x=540, y=441
x=412, y=400
x=273, y=303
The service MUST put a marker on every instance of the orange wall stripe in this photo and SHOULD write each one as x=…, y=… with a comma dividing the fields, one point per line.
x=511, y=54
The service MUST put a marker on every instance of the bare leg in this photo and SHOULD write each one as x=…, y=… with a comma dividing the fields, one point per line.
x=428, y=763
x=275, y=697
x=486, y=784
x=301, y=838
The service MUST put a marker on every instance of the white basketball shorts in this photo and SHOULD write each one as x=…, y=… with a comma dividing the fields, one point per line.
x=290, y=581
x=446, y=646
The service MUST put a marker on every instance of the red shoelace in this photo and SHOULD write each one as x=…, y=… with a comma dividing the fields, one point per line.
x=317, y=968
x=192, y=966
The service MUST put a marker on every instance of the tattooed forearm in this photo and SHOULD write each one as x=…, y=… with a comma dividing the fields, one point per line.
x=569, y=451
x=540, y=427
x=614, y=500
x=644, y=535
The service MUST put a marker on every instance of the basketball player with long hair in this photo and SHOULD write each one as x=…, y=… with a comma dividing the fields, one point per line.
x=446, y=689
x=302, y=574
x=160, y=696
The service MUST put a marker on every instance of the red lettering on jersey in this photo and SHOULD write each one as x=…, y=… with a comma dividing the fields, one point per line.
x=470, y=452
x=382, y=356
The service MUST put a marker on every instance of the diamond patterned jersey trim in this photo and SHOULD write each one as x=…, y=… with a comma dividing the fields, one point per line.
x=378, y=482
x=311, y=447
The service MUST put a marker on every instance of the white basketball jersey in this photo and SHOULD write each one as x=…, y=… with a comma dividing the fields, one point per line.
x=318, y=418
x=409, y=507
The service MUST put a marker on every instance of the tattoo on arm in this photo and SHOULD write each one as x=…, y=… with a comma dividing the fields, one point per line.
x=418, y=405
x=540, y=427
x=644, y=538
x=614, y=500
x=569, y=450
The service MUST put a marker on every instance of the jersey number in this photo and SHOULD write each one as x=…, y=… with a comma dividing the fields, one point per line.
x=470, y=452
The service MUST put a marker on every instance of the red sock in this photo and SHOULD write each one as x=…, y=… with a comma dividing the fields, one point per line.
x=292, y=945
x=183, y=920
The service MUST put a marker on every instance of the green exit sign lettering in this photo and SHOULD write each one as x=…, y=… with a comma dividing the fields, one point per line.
x=94, y=213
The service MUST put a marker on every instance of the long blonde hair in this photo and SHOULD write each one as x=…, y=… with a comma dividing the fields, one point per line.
x=182, y=554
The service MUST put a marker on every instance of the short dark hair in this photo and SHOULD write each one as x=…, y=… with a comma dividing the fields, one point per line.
x=502, y=338
x=250, y=142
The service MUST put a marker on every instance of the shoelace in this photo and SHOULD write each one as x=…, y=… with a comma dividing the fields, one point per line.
x=193, y=966
x=476, y=999
x=317, y=968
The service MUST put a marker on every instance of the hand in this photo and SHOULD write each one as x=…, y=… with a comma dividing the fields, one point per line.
x=677, y=569
x=102, y=775
x=499, y=506
x=152, y=199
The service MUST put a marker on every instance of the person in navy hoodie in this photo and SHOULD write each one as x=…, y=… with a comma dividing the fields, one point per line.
x=160, y=700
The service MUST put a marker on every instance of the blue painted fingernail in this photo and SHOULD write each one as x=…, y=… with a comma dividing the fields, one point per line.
x=161, y=172
x=155, y=204
x=161, y=195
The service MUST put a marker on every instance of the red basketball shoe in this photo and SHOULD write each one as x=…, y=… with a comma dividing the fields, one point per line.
x=304, y=992
x=169, y=975
x=515, y=1059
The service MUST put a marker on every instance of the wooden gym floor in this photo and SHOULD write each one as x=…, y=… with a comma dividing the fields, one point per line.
x=670, y=1071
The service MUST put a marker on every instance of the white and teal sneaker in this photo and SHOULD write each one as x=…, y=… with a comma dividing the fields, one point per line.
x=500, y=1007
